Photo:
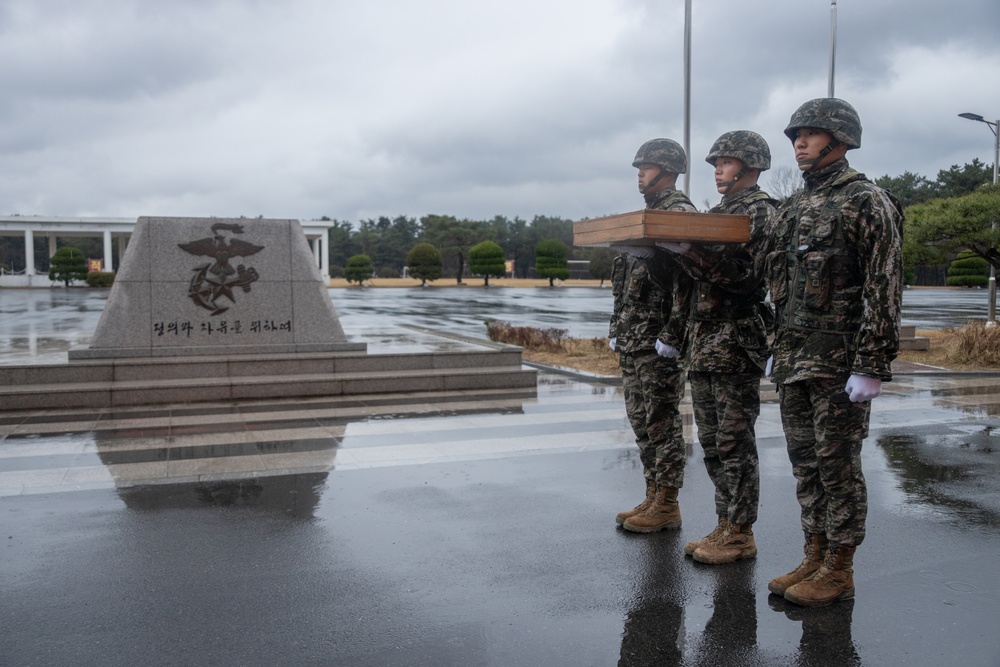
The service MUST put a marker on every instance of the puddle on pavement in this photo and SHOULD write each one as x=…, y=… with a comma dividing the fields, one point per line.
x=948, y=471
x=295, y=495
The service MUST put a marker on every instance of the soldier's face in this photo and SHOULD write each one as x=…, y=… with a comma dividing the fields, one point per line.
x=726, y=169
x=647, y=172
x=809, y=142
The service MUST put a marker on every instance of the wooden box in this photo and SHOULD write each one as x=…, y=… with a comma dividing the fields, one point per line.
x=648, y=226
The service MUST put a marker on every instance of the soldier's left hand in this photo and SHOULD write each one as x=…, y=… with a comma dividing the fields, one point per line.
x=665, y=350
x=862, y=388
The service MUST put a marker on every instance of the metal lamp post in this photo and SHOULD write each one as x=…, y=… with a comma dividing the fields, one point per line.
x=994, y=126
x=687, y=93
x=833, y=44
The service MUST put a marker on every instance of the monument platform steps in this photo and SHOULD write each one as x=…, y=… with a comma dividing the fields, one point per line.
x=909, y=340
x=120, y=382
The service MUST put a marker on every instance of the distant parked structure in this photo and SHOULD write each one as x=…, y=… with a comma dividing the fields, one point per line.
x=39, y=228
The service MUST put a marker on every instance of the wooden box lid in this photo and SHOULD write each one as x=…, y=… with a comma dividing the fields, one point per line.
x=648, y=226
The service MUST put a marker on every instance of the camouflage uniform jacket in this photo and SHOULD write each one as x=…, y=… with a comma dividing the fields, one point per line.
x=725, y=330
x=643, y=287
x=835, y=272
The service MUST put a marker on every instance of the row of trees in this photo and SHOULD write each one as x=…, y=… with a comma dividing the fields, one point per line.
x=941, y=229
x=913, y=189
x=952, y=213
x=957, y=211
x=425, y=262
x=388, y=240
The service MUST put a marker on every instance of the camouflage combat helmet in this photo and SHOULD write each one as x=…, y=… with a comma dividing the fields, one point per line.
x=746, y=146
x=664, y=153
x=831, y=114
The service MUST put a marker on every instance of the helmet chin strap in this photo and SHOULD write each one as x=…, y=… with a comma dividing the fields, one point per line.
x=811, y=164
x=729, y=184
x=643, y=190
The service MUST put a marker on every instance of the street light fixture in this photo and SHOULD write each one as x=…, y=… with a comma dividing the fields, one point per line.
x=991, y=320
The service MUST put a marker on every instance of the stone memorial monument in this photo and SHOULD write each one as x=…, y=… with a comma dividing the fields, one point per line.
x=216, y=309
x=209, y=286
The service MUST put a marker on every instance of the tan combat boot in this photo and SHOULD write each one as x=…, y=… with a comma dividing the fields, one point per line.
x=691, y=546
x=815, y=550
x=834, y=580
x=735, y=543
x=663, y=513
x=641, y=507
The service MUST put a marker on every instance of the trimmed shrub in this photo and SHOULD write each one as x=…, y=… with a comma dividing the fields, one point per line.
x=968, y=270
x=486, y=259
x=550, y=260
x=359, y=269
x=68, y=264
x=100, y=279
x=424, y=262
x=388, y=272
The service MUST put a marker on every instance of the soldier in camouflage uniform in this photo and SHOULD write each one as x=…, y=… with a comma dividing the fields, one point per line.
x=643, y=280
x=726, y=347
x=835, y=274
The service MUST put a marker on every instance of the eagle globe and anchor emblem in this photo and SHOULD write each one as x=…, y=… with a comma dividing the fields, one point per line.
x=216, y=280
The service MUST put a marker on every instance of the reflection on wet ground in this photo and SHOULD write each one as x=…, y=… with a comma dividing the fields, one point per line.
x=291, y=496
x=472, y=528
x=477, y=528
x=826, y=633
x=87, y=449
x=950, y=474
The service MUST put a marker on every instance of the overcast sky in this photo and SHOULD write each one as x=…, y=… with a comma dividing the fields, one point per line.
x=354, y=110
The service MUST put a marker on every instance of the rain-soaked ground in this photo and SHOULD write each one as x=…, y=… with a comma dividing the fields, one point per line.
x=467, y=529
x=40, y=325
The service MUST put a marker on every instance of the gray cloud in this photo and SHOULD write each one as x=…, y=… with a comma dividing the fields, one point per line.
x=355, y=110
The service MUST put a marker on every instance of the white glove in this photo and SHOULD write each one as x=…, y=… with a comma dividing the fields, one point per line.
x=862, y=388
x=769, y=367
x=668, y=351
x=679, y=248
x=640, y=251
x=613, y=343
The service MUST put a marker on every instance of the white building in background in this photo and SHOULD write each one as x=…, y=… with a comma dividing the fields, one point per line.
x=38, y=229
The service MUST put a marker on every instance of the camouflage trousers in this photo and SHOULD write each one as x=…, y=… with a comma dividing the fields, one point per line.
x=824, y=432
x=654, y=387
x=726, y=406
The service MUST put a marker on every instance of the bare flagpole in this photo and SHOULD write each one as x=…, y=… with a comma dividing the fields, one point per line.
x=833, y=44
x=687, y=92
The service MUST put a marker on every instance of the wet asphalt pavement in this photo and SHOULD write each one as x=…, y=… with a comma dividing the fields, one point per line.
x=504, y=553
x=41, y=325
x=507, y=561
